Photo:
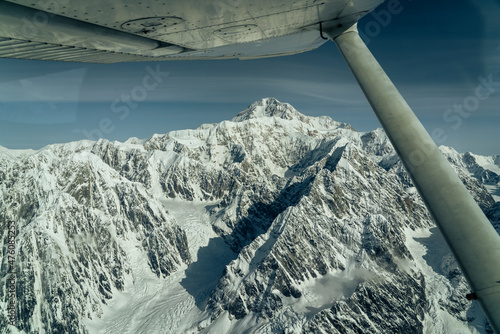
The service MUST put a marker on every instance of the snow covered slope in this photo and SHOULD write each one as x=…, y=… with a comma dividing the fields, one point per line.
x=273, y=222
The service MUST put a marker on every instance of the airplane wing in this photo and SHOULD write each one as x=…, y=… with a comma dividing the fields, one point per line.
x=110, y=31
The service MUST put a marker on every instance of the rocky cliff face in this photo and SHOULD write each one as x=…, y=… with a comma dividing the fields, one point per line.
x=273, y=222
x=74, y=216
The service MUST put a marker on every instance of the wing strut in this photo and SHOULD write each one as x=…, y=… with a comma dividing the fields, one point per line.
x=469, y=234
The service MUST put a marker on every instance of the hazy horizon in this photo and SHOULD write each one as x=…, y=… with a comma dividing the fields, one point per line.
x=439, y=67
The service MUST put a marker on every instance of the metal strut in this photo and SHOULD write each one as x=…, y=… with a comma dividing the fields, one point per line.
x=468, y=233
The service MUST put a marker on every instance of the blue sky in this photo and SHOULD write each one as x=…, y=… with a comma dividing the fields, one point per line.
x=443, y=56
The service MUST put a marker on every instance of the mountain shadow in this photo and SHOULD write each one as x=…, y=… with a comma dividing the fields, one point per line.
x=203, y=275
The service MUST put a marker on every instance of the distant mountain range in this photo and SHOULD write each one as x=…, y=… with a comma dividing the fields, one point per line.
x=273, y=222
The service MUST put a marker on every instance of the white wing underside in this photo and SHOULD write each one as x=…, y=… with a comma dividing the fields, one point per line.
x=109, y=31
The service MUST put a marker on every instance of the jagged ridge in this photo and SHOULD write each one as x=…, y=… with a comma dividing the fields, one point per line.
x=302, y=201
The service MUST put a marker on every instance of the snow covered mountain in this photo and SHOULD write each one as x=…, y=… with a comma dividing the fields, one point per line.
x=273, y=222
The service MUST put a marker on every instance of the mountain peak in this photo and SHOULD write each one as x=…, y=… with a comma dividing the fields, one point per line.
x=268, y=107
